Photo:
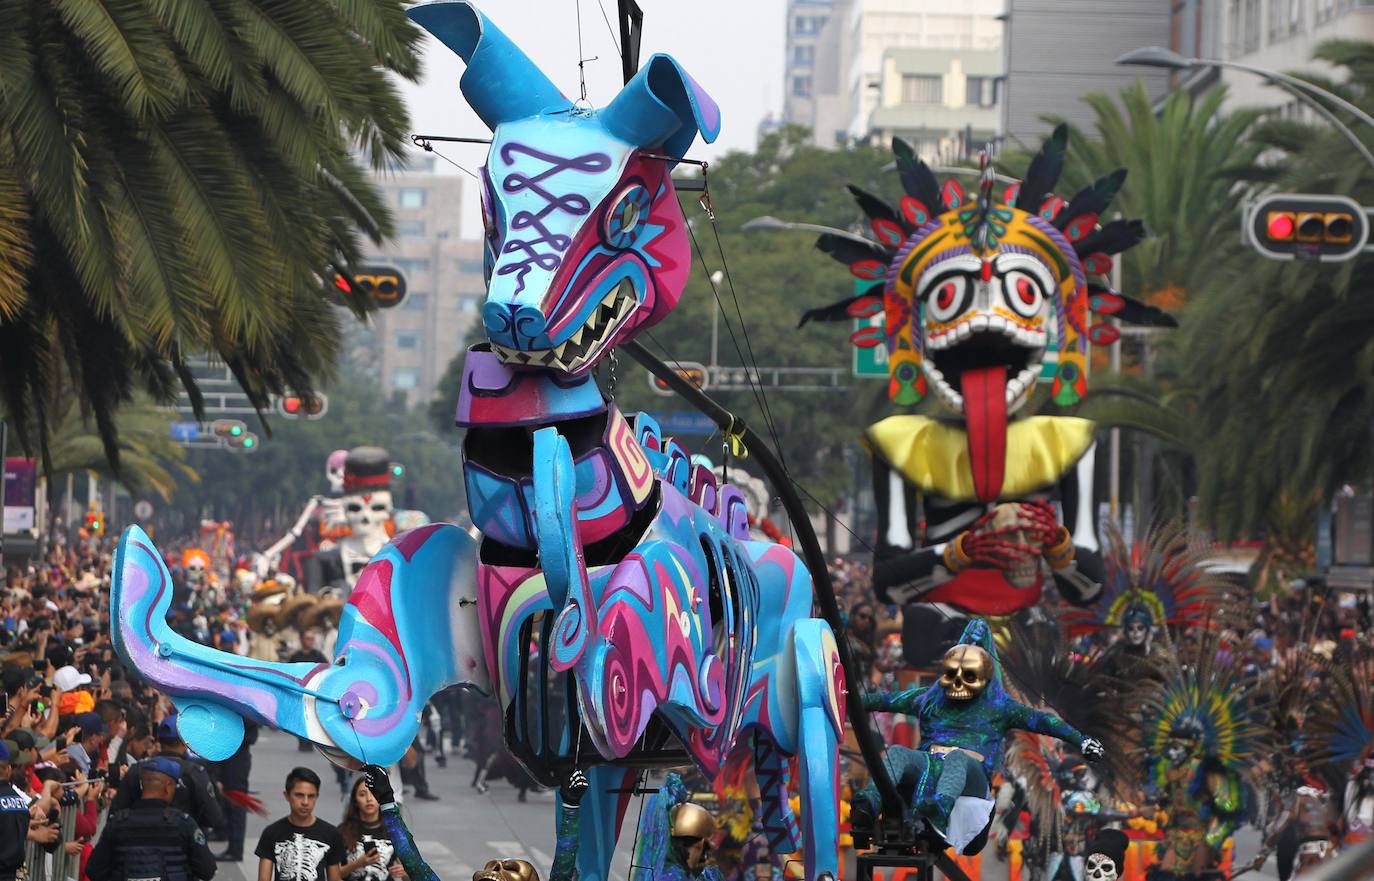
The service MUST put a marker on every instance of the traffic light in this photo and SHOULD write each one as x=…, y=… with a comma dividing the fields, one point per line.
x=95, y=522
x=311, y=406
x=383, y=286
x=1301, y=226
x=398, y=470
x=246, y=442
x=229, y=429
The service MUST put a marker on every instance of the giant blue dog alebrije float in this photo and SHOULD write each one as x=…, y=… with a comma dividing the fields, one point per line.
x=615, y=605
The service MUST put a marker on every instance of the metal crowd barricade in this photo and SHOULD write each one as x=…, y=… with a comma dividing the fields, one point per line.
x=58, y=865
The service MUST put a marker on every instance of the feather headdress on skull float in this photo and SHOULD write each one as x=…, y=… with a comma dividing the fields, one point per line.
x=976, y=288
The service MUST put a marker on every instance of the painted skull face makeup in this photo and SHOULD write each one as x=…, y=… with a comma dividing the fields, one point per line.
x=1099, y=867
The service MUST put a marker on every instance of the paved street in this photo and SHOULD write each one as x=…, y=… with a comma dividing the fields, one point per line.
x=456, y=834
x=461, y=831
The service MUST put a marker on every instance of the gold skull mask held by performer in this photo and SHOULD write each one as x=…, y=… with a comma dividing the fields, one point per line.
x=967, y=671
x=507, y=870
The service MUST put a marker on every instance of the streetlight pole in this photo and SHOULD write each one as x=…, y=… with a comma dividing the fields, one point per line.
x=1302, y=90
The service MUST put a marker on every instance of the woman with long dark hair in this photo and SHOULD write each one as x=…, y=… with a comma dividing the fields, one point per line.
x=371, y=854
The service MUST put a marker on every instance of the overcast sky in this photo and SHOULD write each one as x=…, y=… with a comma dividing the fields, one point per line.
x=733, y=48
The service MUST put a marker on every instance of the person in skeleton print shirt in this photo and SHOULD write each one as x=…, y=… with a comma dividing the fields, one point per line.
x=300, y=846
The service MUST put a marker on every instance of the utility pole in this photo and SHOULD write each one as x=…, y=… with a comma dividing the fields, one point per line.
x=1115, y=464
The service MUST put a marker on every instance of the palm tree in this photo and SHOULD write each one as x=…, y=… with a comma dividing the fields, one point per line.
x=1283, y=354
x=149, y=459
x=180, y=176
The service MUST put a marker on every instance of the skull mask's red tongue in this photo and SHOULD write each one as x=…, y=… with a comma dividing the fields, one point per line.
x=985, y=409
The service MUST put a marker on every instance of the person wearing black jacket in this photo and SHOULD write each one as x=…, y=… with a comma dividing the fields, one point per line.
x=232, y=774
x=16, y=828
x=151, y=839
x=194, y=794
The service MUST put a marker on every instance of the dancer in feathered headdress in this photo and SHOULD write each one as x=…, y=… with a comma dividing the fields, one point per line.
x=1047, y=671
x=1153, y=584
x=1342, y=735
x=978, y=293
x=1203, y=734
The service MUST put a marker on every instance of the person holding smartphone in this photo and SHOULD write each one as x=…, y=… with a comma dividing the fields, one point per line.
x=370, y=856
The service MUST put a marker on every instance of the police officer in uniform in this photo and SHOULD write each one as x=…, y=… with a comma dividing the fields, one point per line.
x=151, y=840
x=195, y=793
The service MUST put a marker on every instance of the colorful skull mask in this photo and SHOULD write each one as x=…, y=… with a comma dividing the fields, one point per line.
x=967, y=669
x=977, y=288
x=1099, y=867
x=585, y=240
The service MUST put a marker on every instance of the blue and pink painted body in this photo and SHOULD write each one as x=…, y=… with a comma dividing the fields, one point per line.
x=677, y=616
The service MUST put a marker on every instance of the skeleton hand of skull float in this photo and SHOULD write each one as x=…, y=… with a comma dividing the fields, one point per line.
x=1014, y=537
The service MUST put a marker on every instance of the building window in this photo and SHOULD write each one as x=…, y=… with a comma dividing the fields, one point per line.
x=412, y=197
x=922, y=89
x=472, y=267
x=416, y=302
x=981, y=91
x=410, y=229
x=407, y=339
x=1250, y=26
x=806, y=25
x=405, y=378
x=801, y=86
x=411, y=265
x=803, y=56
x=468, y=305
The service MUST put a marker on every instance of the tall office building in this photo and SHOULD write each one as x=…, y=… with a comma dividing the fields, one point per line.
x=406, y=349
x=919, y=68
x=805, y=20
x=1274, y=34
x=1059, y=50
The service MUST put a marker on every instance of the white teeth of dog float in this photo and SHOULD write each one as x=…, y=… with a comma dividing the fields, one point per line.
x=583, y=345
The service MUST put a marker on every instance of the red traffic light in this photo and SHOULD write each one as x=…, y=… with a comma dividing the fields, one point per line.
x=294, y=406
x=1280, y=226
x=1307, y=226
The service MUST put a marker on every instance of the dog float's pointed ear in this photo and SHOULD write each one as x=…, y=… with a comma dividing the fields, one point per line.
x=501, y=82
x=662, y=105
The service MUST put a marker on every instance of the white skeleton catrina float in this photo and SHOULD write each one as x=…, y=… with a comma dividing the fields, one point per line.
x=367, y=513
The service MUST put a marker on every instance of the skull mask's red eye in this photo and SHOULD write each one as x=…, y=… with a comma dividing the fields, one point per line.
x=948, y=297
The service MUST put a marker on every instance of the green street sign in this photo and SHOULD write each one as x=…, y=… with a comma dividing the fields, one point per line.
x=870, y=362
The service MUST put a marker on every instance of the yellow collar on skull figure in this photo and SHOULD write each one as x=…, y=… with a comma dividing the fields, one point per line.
x=967, y=670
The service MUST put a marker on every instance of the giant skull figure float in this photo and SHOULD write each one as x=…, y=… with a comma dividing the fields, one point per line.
x=975, y=289
x=630, y=569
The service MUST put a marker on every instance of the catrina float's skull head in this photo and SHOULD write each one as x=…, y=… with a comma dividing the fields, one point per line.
x=585, y=241
x=506, y=870
x=1099, y=867
x=967, y=671
x=367, y=493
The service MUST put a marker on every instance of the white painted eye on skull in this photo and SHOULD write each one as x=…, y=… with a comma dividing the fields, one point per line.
x=1023, y=293
x=948, y=297
x=354, y=508
x=378, y=506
